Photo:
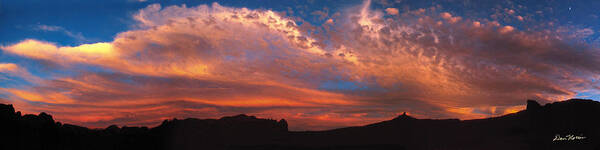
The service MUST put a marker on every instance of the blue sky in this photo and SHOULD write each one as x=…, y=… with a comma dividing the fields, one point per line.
x=96, y=21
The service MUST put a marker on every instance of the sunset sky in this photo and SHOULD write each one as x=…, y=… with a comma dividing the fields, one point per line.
x=318, y=64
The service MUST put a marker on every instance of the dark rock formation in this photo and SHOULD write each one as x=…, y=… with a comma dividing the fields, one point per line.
x=533, y=105
x=570, y=124
x=282, y=124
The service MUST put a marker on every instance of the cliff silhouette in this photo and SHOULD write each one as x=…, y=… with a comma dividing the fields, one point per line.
x=572, y=124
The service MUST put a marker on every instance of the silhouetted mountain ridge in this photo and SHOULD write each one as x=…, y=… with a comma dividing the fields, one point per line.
x=536, y=127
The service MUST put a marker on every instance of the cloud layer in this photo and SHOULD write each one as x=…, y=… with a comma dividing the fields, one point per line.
x=370, y=65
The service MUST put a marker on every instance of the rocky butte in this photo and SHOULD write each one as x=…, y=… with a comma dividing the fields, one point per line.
x=536, y=127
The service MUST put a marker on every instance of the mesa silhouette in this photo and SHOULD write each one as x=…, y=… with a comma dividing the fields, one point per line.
x=571, y=124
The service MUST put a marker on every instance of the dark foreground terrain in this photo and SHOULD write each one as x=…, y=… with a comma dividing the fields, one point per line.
x=567, y=125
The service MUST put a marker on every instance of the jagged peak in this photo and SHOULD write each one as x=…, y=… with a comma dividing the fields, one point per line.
x=533, y=105
x=46, y=116
x=8, y=107
x=282, y=123
x=404, y=116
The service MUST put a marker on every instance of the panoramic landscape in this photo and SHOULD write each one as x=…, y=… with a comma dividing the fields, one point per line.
x=300, y=74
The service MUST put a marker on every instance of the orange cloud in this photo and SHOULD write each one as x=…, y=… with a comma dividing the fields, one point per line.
x=476, y=24
x=8, y=67
x=392, y=11
x=520, y=18
x=50, y=97
x=506, y=29
x=87, y=53
x=329, y=21
x=449, y=17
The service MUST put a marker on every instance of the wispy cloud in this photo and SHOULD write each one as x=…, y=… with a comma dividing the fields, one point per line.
x=14, y=70
x=49, y=28
x=77, y=36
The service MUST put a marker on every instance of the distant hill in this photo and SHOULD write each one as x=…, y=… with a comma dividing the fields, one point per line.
x=567, y=125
